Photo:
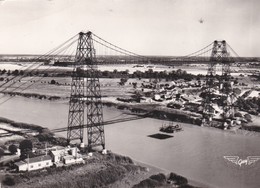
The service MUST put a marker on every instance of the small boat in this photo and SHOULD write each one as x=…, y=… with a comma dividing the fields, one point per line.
x=171, y=128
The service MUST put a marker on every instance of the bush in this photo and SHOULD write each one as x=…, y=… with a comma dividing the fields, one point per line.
x=9, y=180
x=159, y=177
x=179, y=180
x=153, y=181
x=123, y=81
x=248, y=117
x=238, y=114
x=53, y=82
x=12, y=148
x=147, y=184
x=45, y=137
x=119, y=158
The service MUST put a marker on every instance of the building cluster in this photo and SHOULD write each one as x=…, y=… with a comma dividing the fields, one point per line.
x=54, y=157
x=173, y=92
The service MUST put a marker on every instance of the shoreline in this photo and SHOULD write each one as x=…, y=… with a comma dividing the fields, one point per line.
x=157, y=112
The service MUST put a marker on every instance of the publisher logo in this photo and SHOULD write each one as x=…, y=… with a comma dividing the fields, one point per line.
x=242, y=162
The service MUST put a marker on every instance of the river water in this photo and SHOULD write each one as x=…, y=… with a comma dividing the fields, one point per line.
x=196, y=152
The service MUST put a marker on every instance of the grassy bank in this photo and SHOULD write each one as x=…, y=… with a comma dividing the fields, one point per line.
x=40, y=135
x=22, y=125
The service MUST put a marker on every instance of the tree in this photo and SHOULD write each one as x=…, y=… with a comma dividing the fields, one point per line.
x=134, y=85
x=115, y=71
x=123, y=81
x=149, y=73
x=12, y=148
x=21, y=72
x=126, y=72
x=3, y=71
x=53, y=82
x=45, y=135
x=105, y=73
x=9, y=180
x=138, y=74
x=26, y=145
x=15, y=72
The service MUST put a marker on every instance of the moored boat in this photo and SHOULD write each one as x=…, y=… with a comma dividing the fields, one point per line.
x=170, y=128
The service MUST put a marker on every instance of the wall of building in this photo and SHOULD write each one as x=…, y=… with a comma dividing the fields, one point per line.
x=39, y=165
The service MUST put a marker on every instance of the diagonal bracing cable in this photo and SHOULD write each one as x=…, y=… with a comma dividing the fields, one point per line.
x=38, y=65
x=19, y=87
x=48, y=54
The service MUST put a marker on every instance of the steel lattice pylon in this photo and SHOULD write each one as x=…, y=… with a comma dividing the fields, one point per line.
x=76, y=108
x=219, y=55
x=85, y=93
x=225, y=83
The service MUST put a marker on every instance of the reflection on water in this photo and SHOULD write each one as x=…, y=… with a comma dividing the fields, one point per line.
x=196, y=152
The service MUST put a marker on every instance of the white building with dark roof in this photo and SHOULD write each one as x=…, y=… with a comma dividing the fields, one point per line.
x=59, y=155
x=34, y=163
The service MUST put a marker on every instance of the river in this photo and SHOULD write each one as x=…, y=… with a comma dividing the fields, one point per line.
x=196, y=152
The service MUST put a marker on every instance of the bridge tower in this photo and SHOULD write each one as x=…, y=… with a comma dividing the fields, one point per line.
x=85, y=104
x=226, y=87
x=219, y=55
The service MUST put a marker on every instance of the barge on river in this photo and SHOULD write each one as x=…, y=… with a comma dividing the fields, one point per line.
x=170, y=128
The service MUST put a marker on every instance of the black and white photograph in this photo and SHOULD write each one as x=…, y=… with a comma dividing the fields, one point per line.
x=129, y=93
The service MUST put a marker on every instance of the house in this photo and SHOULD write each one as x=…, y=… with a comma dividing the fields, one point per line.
x=57, y=155
x=34, y=163
x=66, y=155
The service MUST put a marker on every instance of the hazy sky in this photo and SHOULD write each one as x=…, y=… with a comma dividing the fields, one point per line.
x=147, y=27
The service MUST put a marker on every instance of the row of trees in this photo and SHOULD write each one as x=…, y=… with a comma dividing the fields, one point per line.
x=173, y=75
x=17, y=72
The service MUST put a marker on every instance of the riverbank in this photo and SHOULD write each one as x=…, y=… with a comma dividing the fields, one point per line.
x=153, y=110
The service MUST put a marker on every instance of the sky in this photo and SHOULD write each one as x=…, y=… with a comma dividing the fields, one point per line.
x=146, y=27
